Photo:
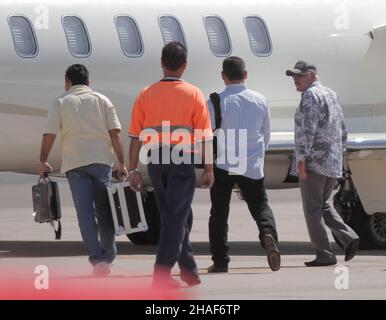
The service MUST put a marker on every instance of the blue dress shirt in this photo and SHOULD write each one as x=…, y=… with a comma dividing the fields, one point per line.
x=244, y=133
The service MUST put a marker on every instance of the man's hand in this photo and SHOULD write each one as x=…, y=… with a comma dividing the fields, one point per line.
x=48, y=140
x=123, y=171
x=302, y=169
x=207, y=179
x=44, y=167
x=135, y=180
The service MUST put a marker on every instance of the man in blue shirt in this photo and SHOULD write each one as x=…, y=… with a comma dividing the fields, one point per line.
x=241, y=143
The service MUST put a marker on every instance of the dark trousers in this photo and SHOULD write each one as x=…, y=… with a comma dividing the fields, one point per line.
x=255, y=196
x=174, y=187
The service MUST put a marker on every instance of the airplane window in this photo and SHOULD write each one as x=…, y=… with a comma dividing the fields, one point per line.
x=129, y=36
x=259, y=38
x=24, y=37
x=171, y=29
x=218, y=36
x=77, y=37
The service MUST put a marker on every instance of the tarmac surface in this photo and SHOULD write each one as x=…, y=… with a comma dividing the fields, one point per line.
x=35, y=266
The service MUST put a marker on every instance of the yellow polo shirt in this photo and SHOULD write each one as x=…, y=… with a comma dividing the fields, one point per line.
x=84, y=118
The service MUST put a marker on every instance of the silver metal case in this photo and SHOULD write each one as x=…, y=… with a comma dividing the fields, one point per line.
x=126, y=209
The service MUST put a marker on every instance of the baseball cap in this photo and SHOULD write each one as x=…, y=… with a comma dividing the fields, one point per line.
x=301, y=67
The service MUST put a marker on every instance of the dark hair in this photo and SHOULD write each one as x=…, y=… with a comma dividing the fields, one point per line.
x=234, y=68
x=174, y=55
x=77, y=74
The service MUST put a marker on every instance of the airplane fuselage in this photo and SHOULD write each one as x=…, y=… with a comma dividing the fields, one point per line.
x=338, y=36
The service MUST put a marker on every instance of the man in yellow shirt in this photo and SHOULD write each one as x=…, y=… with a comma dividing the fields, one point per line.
x=90, y=131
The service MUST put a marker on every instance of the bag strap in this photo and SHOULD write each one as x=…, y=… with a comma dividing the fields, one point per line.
x=215, y=99
x=58, y=232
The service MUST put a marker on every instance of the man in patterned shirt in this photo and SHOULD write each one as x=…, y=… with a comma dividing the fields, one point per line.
x=320, y=138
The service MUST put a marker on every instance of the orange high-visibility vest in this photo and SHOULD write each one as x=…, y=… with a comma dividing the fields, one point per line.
x=170, y=113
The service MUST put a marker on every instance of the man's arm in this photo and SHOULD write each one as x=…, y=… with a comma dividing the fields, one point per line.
x=134, y=149
x=207, y=159
x=52, y=126
x=135, y=178
x=344, y=136
x=116, y=141
x=267, y=128
x=48, y=140
x=343, y=127
x=204, y=137
x=306, y=126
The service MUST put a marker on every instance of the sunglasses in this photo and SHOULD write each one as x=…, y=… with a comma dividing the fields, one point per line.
x=300, y=75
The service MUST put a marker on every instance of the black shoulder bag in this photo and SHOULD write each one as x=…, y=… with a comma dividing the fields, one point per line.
x=215, y=99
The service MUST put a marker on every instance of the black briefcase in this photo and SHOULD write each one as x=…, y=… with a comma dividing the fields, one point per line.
x=46, y=203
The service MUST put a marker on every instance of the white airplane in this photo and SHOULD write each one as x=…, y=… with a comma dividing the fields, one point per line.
x=120, y=43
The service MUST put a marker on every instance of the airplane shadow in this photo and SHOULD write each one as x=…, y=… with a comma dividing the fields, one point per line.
x=13, y=249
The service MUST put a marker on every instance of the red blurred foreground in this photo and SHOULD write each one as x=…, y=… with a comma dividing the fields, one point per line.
x=22, y=286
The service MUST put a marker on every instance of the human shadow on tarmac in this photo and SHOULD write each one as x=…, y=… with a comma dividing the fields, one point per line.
x=12, y=249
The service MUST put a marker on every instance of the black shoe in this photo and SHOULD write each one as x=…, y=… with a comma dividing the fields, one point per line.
x=215, y=269
x=273, y=253
x=315, y=263
x=190, y=278
x=351, y=250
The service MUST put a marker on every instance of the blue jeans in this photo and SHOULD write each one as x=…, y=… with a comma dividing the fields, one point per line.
x=88, y=187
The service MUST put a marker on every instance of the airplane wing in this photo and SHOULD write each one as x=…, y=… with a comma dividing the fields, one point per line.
x=284, y=142
x=366, y=158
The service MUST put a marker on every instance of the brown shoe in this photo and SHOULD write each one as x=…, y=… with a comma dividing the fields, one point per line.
x=273, y=253
x=215, y=269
